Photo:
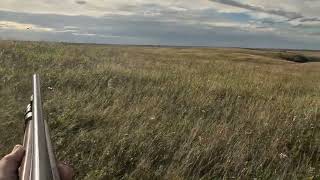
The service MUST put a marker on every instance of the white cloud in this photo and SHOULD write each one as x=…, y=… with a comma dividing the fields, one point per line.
x=97, y=8
x=84, y=34
x=22, y=26
x=108, y=17
x=308, y=9
x=305, y=7
x=248, y=26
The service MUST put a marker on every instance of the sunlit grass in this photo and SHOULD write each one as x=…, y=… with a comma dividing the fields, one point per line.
x=167, y=113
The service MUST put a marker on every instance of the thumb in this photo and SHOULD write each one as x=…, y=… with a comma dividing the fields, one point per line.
x=15, y=157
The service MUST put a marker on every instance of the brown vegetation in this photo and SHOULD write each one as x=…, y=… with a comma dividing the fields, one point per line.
x=168, y=113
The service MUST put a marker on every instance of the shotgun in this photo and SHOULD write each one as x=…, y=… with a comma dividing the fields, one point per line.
x=39, y=162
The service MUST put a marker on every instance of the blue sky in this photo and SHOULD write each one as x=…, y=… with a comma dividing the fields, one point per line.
x=232, y=23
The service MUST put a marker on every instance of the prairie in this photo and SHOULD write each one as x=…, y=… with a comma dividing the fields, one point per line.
x=133, y=112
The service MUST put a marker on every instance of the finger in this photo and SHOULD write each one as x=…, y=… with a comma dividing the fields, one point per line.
x=15, y=157
x=65, y=171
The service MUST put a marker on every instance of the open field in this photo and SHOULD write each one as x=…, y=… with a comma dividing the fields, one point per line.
x=120, y=112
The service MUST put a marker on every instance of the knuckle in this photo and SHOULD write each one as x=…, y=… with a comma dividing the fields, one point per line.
x=6, y=158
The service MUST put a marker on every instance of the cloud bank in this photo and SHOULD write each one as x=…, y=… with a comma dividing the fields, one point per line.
x=245, y=23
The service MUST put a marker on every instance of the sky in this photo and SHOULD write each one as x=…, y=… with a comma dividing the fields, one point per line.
x=288, y=24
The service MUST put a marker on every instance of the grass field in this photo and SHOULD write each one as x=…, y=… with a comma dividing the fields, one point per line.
x=119, y=112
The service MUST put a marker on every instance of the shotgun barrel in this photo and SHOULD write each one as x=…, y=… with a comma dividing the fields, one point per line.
x=39, y=162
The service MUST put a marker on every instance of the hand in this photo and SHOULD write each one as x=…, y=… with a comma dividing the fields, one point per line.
x=9, y=166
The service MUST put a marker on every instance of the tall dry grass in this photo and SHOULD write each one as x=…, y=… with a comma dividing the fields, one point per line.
x=119, y=112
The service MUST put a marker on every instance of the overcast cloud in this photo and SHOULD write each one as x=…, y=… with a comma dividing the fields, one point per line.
x=244, y=23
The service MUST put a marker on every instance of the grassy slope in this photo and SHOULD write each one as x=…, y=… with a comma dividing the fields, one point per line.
x=135, y=112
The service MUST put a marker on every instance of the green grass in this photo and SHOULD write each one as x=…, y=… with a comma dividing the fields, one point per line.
x=118, y=112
